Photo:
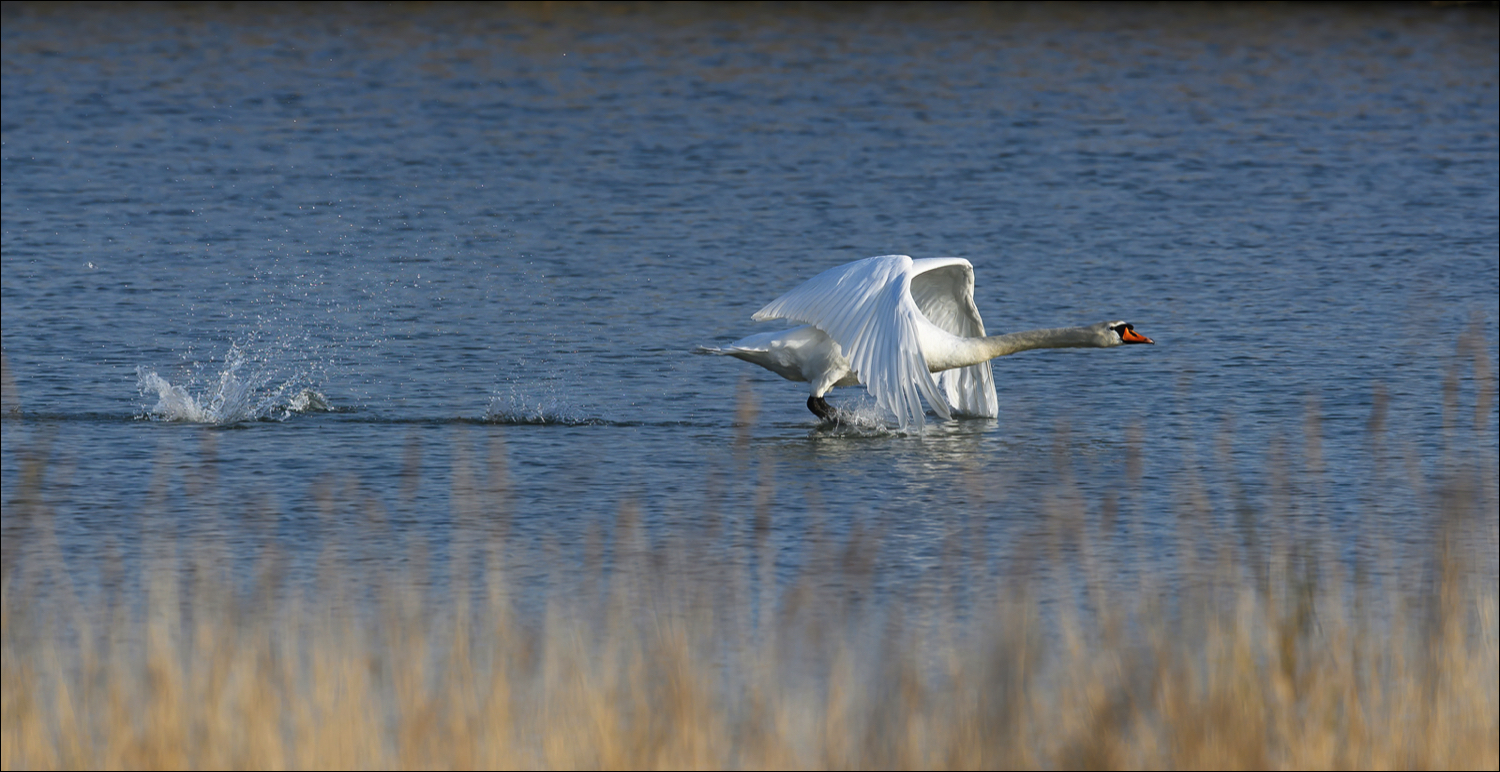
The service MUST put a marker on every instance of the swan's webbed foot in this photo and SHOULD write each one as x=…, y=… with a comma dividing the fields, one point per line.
x=821, y=408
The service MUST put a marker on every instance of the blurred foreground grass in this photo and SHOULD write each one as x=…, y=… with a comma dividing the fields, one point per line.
x=1278, y=655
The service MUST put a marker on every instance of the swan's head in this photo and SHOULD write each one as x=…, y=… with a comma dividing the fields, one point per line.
x=1118, y=334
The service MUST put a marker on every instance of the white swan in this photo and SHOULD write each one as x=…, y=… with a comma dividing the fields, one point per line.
x=890, y=322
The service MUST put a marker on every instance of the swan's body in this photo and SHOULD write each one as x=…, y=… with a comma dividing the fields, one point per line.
x=892, y=322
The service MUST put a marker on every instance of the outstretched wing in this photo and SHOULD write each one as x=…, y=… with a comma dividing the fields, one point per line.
x=943, y=289
x=867, y=308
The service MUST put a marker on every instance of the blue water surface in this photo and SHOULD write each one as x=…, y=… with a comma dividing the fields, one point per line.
x=296, y=273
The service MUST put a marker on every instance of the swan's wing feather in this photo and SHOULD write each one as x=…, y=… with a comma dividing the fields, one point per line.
x=971, y=390
x=943, y=289
x=899, y=376
x=866, y=307
x=845, y=294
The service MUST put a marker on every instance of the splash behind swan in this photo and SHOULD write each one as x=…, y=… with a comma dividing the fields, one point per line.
x=891, y=323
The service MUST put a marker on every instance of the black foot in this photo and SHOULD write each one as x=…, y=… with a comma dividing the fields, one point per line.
x=821, y=408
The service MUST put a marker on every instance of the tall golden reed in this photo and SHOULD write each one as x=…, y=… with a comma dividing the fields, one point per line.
x=1269, y=657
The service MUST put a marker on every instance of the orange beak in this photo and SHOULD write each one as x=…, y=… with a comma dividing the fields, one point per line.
x=1129, y=335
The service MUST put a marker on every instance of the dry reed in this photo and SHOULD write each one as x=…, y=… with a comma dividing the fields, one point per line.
x=1275, y=659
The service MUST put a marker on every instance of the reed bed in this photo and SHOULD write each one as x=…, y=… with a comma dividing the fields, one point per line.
x=1277, y=655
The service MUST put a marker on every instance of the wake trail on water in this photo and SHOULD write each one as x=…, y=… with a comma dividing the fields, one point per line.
x=243, y=390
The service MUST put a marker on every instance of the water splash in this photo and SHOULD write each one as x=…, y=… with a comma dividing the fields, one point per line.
x=244, y=390
x=859, y=417
x=552, y=409
x=310, y=401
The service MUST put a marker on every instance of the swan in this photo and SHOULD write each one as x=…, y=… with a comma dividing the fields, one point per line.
x=890, y=323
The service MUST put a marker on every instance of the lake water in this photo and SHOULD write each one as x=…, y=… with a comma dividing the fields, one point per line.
x=362, y=254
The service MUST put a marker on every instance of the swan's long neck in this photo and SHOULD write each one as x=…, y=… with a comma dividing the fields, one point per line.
x=1056, y=337
x=945, y=352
